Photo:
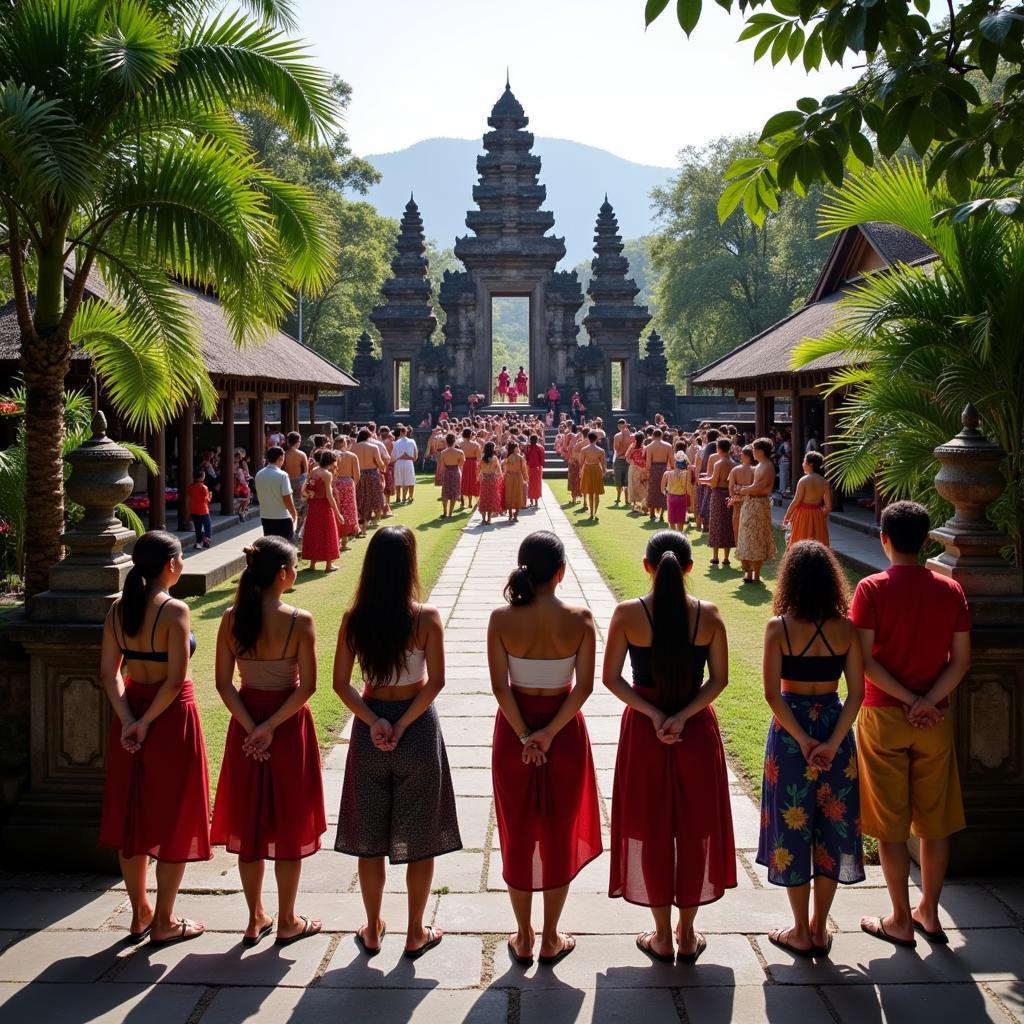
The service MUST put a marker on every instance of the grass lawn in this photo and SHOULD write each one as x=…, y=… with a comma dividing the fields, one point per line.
x=327, y=597
x=616, y=543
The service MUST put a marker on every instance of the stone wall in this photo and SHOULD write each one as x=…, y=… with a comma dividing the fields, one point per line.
x=14, y=722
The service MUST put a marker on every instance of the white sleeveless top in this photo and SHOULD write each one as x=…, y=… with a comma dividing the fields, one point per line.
x=415, y=670
x=541, y=673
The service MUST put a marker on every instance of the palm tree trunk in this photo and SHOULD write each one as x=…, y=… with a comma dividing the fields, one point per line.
x=45, y=364
x=45, y=359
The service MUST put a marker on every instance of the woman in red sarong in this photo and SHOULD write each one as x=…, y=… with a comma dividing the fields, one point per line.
x=545, y=790
x=345, y=472
x=522, y=384
x=320, y=536
x=156, y=793
x=535, y=469
x=492, y=499
x=672, y=840
x=503, y=382
x=270, y=797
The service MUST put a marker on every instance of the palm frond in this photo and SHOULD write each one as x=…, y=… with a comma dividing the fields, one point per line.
x=136, y=46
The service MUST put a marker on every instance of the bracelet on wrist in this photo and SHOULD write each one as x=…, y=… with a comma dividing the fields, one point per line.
x=524, y=737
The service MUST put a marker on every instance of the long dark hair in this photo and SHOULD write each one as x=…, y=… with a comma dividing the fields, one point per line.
x=264, y=559
x=152, y=551
x=810, y=584
x=540, y=556
x=381, y=621
x=668, y=553
x=488, y=451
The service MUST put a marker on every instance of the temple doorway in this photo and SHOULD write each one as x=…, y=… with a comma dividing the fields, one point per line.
x=510, y=346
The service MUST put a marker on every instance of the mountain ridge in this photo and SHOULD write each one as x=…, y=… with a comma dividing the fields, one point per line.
x=441, y=172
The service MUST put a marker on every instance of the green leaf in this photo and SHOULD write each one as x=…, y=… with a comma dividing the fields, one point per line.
x=831, y=161
x=812, y=51
x=808, y=104
x=764, y=42
x=809, y=167
x=780, y=44
x=653, y=9
x=921, y=129
x=862, y=148
x=688, y=14
x=784, y=121
x=796, y=42
x=995, y=27
x=730, y=199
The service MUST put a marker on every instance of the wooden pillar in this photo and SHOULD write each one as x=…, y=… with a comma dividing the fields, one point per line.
x=312, y=412
x=760, y=426
x=257, y=448
x=227, y=455
x=287, y=407
x=186, y=463
x=832, y=403
x=797, y=428
x=157, y=481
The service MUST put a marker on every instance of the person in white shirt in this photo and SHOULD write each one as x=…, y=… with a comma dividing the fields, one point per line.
x=403, y=456
x=274, y=492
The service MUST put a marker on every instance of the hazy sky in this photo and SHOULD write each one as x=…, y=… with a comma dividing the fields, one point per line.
x=585, y=71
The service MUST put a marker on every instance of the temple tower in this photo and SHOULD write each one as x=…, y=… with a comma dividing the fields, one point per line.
x=510, y=253
x=406, y=318
x=615, y=321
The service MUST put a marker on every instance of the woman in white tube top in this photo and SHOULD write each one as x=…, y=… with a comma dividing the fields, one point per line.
x=545, y=790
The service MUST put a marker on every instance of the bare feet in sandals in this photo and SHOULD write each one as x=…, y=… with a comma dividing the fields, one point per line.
x=301, y=928
x=179, y=931
x=362, y=939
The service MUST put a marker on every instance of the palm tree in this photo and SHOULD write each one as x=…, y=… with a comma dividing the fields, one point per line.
x=120, y=156
x=920, y=342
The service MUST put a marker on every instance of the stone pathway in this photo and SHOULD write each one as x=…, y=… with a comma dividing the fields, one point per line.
x=63, y=959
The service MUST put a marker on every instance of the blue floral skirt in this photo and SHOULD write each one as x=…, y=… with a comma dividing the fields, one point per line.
x=810, y=819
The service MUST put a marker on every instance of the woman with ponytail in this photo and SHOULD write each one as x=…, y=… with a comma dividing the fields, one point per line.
x=672, y=840
x=398, y=800
x=270, y=798
x=323, y=517
x=545, y=790
x=156, y=795
x=490, y=502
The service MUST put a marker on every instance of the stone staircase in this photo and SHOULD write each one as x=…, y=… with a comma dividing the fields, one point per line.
x=555, y=467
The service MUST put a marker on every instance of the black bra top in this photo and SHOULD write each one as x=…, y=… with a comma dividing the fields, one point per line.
x=640, y=657
x=811, y=668
x=152, y=655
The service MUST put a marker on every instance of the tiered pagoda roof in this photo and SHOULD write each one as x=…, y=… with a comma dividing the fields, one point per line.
x=407, y=295
x=509, y=219
x=612, y=293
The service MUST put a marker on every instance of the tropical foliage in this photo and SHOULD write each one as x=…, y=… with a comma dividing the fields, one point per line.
x=916, y=83
x=15, y=479
x=720, y=283
x=923, y=341
x=120, y=155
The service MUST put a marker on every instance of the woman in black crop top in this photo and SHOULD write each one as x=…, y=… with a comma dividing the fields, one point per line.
x=810, y=800
x=156, y=793
x=672, y=840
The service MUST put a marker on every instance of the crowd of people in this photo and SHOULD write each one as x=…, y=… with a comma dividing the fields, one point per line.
x=902, y=644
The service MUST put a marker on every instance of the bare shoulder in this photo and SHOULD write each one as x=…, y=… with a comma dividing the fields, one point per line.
x=773, y=628
x=304, y=621
x=175, y=610
x=431, y=617
x=710, y=612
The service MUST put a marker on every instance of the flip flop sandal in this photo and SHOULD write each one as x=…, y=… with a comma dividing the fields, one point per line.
x=415, y=954
x=307, y=930
x=938, y=938
x=643, y=943
x=823, y=952
x=134, y=938
x=804, y=954
x=879, y=932
x=569, y=944
x=371, y=950
x=184, y=924
x=254, y=940
x=692, y=958
x=523, y=961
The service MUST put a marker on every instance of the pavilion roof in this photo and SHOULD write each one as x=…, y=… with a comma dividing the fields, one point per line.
x=280, y=358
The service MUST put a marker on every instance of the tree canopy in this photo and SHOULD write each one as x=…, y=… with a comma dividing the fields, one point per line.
x=719, y=283
x=918, y=83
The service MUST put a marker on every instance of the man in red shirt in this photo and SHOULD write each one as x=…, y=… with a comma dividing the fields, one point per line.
x=915, y=632
x=199, y=507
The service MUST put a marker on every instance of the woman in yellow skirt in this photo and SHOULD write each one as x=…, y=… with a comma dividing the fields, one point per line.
x=808, y=512
x=516, y=477
x=592, y=482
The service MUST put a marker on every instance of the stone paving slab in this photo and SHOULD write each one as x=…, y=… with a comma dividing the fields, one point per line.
x=65, y=957
x=98, y=1003
x=961, y=907
x=896, y=1004
x=34, y=909
x=753, y=1004
x=317, y=1005
x=455, y=963
x=567, y=1005
x=220, y=959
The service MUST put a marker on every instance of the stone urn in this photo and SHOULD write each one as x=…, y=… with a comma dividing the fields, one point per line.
x=970, y=479
x=99, y=479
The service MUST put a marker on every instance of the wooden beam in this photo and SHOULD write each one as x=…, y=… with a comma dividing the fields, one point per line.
x=186, y=460
x=257, y=447
x=227, y=454
x=157, y=481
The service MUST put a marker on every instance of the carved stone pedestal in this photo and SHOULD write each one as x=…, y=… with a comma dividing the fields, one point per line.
x=988, y=706
x=55, y=823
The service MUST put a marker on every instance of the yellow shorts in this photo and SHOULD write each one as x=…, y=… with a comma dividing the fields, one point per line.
x=908, y=777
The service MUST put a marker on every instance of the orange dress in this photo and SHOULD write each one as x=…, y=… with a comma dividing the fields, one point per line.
x=809, y=523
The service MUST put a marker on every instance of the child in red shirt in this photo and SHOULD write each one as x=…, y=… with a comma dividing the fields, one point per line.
x=915, y=633
x=199, y=499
